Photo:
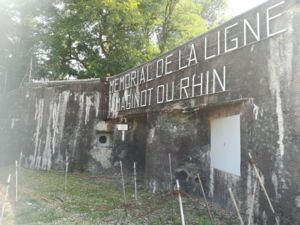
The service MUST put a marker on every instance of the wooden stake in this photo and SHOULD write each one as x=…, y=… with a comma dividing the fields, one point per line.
x=66, y=173
x=171, y=183
x=180, y=203
x=171, y=174
x=263, y=187
x=5, y=199
x=206, y=202
x=236, y=206
x=123, y=182
x=16, y=181
x=252, y=203
x=135, y=184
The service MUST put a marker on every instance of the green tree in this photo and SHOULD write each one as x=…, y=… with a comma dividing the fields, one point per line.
x=18, y=35
x=180, y=21
x=95, y=38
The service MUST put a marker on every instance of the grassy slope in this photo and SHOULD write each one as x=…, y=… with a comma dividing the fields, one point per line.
x=95, y=199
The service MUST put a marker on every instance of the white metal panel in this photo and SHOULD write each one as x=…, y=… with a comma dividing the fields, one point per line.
x=226, y=144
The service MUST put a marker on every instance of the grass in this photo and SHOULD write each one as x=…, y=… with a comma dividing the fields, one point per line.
x=93, y=199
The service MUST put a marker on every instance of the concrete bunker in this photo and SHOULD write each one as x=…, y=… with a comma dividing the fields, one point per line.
x=227, y=93
x=217, y=98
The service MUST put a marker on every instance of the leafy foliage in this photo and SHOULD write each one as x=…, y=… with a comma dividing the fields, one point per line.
x=95, y=38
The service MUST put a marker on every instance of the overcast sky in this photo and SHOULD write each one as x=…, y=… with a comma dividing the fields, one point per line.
x=237, y=7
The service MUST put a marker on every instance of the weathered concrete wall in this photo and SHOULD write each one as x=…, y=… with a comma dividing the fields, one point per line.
x=59, y=120
x=262, y=86
x=255, y=75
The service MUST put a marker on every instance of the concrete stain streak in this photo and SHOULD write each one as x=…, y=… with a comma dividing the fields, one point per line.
x=46, y=160
x=79, y=121
x=255, y=111
x=280, y=70
x=63, y=110
x=88, y=104
x=97, y=103
x=276, y=90
x=39, y=110
x=275, y=183
x=55, y=126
